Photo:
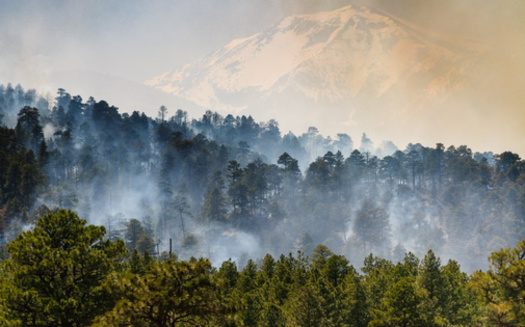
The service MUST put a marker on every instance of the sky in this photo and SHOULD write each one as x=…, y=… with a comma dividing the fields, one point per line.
x=45, y=44
x=129, y=39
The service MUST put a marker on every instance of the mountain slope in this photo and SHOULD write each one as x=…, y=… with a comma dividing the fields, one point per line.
x=350, y=61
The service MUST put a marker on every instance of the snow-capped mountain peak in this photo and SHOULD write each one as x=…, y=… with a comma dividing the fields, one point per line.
x=329, y=57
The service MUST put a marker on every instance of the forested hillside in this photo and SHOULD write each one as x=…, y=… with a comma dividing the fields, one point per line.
x=231, y=187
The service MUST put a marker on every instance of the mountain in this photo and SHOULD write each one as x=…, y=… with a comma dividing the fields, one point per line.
x=355, y=67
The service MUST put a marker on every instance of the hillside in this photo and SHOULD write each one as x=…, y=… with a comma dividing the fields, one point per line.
x=229, y=187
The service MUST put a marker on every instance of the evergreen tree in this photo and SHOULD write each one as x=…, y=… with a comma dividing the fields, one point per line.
x=56, y=271
x=501, y=288
x=214, y=206
x=169, y=294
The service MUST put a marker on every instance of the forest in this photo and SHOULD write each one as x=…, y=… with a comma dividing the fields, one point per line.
x=279, y=222
x=65, y=272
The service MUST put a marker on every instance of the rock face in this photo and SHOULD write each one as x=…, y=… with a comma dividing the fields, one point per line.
x=350, y=63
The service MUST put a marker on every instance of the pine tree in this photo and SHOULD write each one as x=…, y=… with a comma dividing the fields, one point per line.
x=56, y=272
x=169, y=294
x=214, y=207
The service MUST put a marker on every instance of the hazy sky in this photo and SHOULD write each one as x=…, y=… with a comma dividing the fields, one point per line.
x=136, y=40
x=140, y=39
x=131, y=39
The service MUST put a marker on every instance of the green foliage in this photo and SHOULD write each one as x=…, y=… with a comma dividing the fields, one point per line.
x=20, y=175
x=55, y=272
x=502, y=288
x=228, y=272
x=63, y=273
x=306, y=307
x=169, y=294
x=336, y=269
x=140, y=264
x=136, y=237
x=399, y=307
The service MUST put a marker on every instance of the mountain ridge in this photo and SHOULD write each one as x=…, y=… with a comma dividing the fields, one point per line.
x=295, y=42
x=357, y=61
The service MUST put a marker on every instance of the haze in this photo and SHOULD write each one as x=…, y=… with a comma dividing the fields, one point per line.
x=107, y=49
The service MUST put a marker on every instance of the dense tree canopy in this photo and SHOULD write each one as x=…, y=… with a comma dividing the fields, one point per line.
x=63, y=273
x=55, y=272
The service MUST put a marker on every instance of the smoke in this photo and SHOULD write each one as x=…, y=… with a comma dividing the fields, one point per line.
x=491, y=99
x=49, y=131
x=234, y=244
x=354, y=203
x=40, y=42
x=486, y=93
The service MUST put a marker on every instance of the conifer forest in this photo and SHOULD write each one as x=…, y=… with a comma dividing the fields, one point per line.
x=119, y=219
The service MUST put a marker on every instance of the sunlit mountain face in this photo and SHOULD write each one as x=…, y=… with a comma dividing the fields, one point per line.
x=355, y=68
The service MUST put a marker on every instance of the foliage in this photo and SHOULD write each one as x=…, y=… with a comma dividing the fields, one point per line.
x=55, y=272
x=502, y=288
x=63, y=273
x=169, y=294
